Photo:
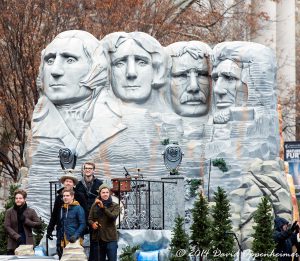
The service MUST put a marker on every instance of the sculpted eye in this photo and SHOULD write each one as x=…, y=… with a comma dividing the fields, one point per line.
x=202, y=74
x=119, y=64
x=50, y=61
x=180, y=75
x=71, y=60
x=141, y=62
x=229, y=78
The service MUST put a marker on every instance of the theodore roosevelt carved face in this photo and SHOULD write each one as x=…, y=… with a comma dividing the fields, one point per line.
x=190, y=78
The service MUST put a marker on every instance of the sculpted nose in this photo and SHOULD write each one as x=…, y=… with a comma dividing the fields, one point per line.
x=219, y=87
x=56, y=69
x=193, y=86
x=131, y=70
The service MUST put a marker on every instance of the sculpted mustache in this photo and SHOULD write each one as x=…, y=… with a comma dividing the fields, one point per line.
x=188, y=97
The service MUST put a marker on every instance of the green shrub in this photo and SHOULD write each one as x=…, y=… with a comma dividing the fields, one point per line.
x=221, y=164
x=194, y=185
x=3, y=237
x=39, y=232
x=128, y=253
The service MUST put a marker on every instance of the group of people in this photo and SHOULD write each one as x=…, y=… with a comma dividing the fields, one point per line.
x=80, y=208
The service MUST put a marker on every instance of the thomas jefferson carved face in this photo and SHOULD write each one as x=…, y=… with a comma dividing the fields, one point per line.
x=190, y=85
x=226, y=83
x=132, y=72
x=65, y=65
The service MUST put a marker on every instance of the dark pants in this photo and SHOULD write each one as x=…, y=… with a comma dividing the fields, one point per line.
x=10, y=252
x=99, y=251
x=94, y=250
x=59, y=249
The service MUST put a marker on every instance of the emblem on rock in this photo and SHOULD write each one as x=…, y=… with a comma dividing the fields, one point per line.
x=172, y=156
x=67, y=158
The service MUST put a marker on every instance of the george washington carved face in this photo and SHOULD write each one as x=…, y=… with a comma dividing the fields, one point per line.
x=65, y=65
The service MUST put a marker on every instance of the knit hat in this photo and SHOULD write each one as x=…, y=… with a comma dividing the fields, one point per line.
x=69, y=175
x=102, y=187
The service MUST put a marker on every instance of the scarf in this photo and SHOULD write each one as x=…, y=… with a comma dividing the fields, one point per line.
x=107, y=203
x=88, y=185
x=21, y=219
x=20, y=210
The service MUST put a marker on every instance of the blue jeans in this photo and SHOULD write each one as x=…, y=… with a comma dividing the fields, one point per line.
x=109, y=250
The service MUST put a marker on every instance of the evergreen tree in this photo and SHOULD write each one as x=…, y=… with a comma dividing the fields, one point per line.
x=3, y=237
x=180, y=242
x=201, y=228
x=263, y=242
x=222, y=243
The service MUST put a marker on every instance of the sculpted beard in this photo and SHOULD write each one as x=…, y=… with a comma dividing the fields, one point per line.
x=222, y=116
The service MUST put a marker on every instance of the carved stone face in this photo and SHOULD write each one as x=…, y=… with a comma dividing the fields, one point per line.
x=132, y=72
x=226, y=83
x=65, y=65
x=189, y=86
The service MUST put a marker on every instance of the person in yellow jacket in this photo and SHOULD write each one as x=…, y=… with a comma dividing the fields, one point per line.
x=72, y=220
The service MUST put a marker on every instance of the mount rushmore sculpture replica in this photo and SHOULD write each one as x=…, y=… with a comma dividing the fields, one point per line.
x=114, y=101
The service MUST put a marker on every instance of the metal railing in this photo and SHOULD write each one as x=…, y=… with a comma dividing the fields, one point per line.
x=54, y=186
x=142, y=203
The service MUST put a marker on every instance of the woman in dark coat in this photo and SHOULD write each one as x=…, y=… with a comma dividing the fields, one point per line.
x=19, y=221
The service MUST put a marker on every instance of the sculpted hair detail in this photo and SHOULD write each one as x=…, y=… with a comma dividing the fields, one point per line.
x=113, y=41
